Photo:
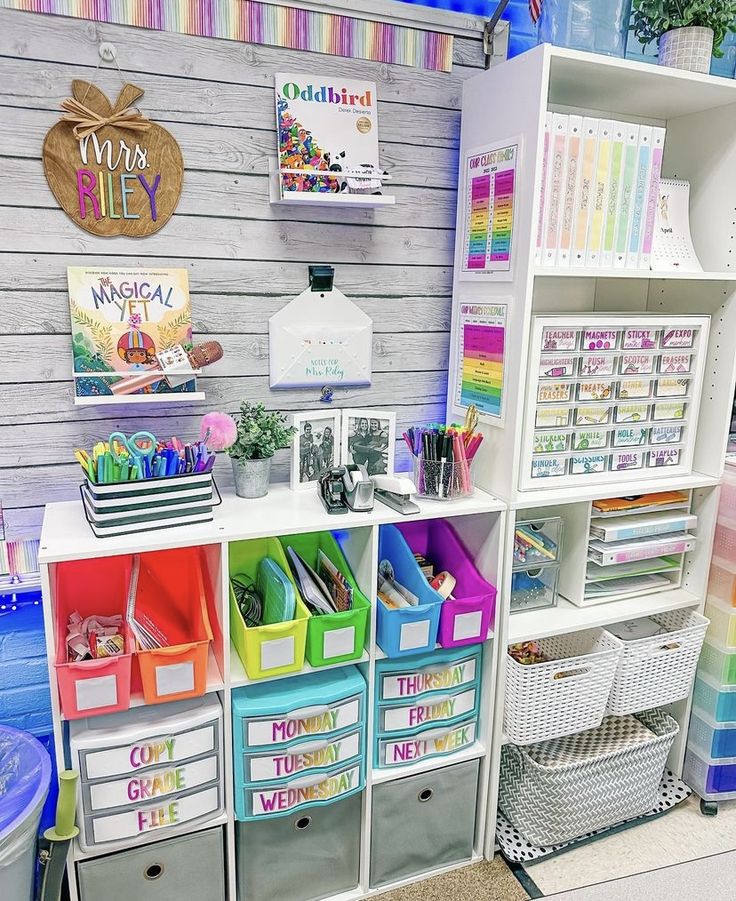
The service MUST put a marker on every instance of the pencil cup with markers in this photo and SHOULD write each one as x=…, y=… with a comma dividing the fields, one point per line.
x=442, y=457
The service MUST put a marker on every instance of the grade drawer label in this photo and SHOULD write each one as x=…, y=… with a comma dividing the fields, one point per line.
x=279, y=800
x=410, y=684
x=405, y=750
x=444, y=708
x=301, y=723
x=151, y=784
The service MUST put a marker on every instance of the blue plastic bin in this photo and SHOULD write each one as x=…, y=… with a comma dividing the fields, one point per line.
x=407, y=630
x=718, y=701
x=714, y=739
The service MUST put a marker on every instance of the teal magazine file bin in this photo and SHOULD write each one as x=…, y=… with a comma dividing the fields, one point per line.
x=407, y=630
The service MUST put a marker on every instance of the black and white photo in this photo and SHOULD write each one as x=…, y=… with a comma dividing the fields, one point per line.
x=316, y=446
x=369, y=438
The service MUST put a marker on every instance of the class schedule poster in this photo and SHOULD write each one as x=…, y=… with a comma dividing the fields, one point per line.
x=479, y=368
x=490, y=188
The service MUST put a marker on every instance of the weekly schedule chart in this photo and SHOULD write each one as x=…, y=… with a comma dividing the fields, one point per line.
x=490, y=182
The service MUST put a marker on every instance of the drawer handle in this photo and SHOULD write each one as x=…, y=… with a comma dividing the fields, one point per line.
x=302, y=823
x=425, y=795
x=435, y=670
x=307, y=711
x=308, y=746
x=435, y=699
x=154, y=871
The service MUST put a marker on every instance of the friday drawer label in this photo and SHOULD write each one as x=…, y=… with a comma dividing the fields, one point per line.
x=395, y=752
x=627, y=460
x=589, y=440
x=596, y=364
x=279, y=800
x=310, y=756
x=559, y=339
x=671, y=387
x=296, y=725
x=587, y=463
x=549, y=442
x=595, y=390
x=396, y=718
x=553, y=392
x=552, y=417
x=556, y=367
x=591, y=415
x=629, y=437
x=678, y=337
x=549, y=466
x=675, y=363
x=664, y=456
x=645, y=338
x=636, y=364
x=600, y=339
x=152, y=784
x=147, y=752
x=408, y=685
x=162, y=816
x=634, y=388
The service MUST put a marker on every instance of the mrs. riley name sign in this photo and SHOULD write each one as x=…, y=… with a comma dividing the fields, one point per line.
x=113, y=171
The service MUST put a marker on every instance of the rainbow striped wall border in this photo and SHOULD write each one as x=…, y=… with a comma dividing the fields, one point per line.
x=264, y=23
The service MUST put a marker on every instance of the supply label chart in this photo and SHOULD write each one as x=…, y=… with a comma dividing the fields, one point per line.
x=490, y=183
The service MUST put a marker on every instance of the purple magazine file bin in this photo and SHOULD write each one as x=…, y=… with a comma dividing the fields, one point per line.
x=466, y=619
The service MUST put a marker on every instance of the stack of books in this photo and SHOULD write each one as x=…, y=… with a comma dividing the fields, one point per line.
x=600, y=183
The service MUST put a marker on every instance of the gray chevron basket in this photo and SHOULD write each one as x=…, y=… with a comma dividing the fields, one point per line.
x=559, y=789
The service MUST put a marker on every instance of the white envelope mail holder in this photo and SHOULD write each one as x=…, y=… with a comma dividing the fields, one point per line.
x=320, y=338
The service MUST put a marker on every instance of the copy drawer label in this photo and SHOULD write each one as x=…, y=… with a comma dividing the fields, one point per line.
x=394, y=752
x=324, y=788
x=309, y=756
x=304, y=722
x=148, y=752
x=151, y=784
x=438, y=708
x=410, y=684
x=159, y=816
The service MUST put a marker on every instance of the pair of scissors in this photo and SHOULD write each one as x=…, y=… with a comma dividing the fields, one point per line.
x=139, y=448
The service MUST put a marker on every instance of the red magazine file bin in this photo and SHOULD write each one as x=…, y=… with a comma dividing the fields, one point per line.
x=466, y=619
x=92, y=587
x=172, y=587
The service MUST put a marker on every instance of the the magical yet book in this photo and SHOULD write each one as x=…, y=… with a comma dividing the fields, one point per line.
x=120, y=319
x=326, y=124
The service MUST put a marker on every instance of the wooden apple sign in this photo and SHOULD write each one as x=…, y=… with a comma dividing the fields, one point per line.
x=113, y=171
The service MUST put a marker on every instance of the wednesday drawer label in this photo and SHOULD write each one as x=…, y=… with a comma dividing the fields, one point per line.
x=278, y=800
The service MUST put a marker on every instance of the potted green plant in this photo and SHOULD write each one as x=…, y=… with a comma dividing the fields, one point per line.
x=260, y=434
x=689, y=32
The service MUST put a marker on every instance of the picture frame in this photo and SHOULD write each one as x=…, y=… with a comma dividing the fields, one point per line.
x=377, y=450
x=313, y=452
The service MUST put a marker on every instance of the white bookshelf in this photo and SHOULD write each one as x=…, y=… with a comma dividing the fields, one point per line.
x=699, y=113
x=479, y=520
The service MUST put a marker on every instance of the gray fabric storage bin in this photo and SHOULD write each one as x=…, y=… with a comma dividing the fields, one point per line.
x=423, y=822
x=304, y=856
x=188, y=866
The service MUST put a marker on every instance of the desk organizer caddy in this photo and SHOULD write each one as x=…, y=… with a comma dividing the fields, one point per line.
x=277, y=648
x=557, y=790
x=427, y=705
x=453, y=623
x=566, y=694
x=165, y=871
x=92, y=686
x=658, y=670
x=535, y=574
x=152, y=769
x=423, y=822
x=123, y=508
x=298, y=743
x=332, y=637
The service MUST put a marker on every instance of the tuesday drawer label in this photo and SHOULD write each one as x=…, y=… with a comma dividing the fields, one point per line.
x=300, y=723
x=394, y=752
x=278, y=800
x=444, y=708
x=407, y=685
x=310, y=756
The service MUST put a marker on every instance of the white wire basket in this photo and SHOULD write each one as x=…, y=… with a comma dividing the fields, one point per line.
x=660, y=669
x=566, y=694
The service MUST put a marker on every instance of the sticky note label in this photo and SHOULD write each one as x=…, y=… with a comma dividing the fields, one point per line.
x=645, y=338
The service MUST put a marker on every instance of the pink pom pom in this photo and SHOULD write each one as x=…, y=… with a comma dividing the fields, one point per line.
x=218, y=431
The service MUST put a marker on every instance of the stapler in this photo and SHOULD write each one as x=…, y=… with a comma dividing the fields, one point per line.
x=358, y=488
x=331, y=491
x=395, y=491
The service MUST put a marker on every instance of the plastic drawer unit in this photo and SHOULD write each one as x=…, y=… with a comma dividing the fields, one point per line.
x=713, y=780
x=427, y=706
x=299, y=743
x=423, y=822
x=149, y=769
x=188, y=866
x=718, y=662
x=712, y=739
x=717, y=701
x=722, y=618
x=312, y=854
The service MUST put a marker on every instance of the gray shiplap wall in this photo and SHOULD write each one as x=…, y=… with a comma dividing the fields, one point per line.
x=245, y=257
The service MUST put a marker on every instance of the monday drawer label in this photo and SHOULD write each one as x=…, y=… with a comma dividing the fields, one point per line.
x=302, y=723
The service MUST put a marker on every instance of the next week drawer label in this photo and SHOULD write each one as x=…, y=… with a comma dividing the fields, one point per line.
x=408, y=685
x=395, y=752
x=438, y=708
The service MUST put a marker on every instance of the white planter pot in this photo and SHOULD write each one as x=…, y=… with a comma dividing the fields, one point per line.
x=687, y=48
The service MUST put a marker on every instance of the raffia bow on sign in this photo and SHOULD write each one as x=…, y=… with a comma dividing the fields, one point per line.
x=112, y=170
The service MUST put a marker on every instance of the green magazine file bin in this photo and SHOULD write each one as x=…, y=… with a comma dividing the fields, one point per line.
x=332, y=637
x=271, y=650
